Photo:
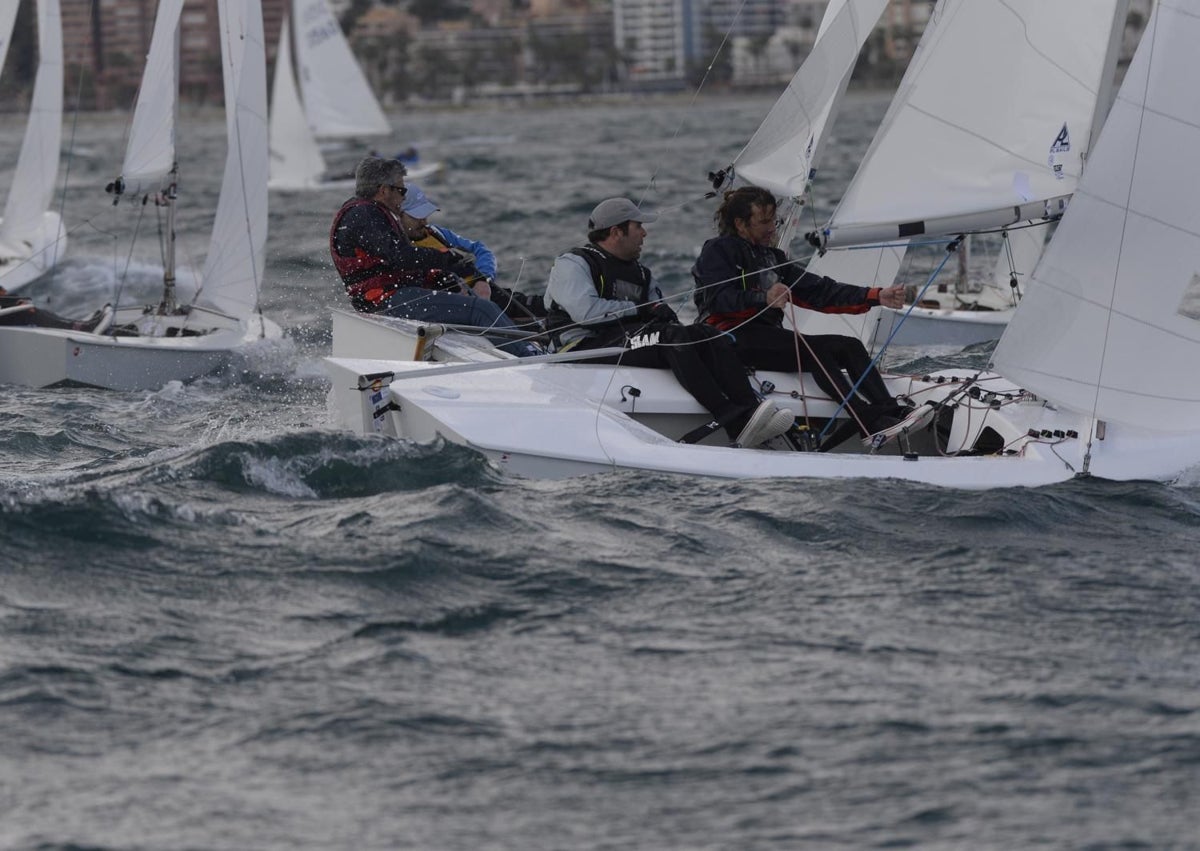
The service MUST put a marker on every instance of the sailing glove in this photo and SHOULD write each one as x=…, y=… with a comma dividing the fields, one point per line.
x=657, y=313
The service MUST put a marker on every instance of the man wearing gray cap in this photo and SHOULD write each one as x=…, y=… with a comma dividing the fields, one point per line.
x=599, y=295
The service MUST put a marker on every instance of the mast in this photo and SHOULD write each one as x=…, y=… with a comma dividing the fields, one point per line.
x=168, y=305
x=1108, y=80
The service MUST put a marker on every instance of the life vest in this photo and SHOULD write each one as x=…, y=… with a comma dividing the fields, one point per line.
x=624, y=280
x=367, y=280
x=433, y=239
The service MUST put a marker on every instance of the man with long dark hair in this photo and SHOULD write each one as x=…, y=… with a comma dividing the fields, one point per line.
x=743, y=283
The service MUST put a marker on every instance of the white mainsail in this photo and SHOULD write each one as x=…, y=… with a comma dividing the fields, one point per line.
x=233, y=269
x=296, y=160
x=1112, y=325
x=338, y=100
x=32, y=188
x=783, y=153
x=990, y=125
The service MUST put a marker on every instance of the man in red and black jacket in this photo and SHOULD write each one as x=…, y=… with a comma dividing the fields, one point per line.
x=382, y=270
x=743, y=282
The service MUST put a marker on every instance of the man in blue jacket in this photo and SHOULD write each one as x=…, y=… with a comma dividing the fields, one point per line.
x=479, y=269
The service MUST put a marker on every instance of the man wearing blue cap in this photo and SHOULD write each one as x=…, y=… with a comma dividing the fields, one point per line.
x=414, y=218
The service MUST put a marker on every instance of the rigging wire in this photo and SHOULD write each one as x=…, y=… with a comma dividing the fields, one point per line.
x=696, y=94
x=62, y=204
x=950, y=250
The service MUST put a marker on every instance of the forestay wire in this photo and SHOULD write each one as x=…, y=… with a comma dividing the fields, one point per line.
x=695, y=95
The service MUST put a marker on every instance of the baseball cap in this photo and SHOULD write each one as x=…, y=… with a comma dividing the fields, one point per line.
x=417, y=203
x=613, y=211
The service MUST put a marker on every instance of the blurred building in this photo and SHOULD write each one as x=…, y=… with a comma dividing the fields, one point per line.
x=655, y=40
x=105, y=44
x=562, y=49
x=496, y=48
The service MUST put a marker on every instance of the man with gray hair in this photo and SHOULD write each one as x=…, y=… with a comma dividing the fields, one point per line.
x=382, y=270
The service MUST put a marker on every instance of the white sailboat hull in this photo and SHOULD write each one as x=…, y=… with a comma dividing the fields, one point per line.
x=424, y=171
x=22, y=264
x=927, y=326
x=543, y=421
x=289, y=183
x=553, y=420
x=922, y=326
x=51, y=357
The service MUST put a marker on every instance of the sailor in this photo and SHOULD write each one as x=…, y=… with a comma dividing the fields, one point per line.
x=481, y=275
x=743, y=282
x=599, y=296
x=16, y=311
x=383, y=272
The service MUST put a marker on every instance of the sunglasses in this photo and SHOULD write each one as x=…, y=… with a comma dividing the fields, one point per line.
x=403, y=190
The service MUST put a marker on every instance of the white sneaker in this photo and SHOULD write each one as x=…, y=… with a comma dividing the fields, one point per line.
x=768, y=421
x=104, y=321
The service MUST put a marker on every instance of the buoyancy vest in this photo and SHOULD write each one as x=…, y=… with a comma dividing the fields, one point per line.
x=433, y=239
x=624, y=280
x=368, y=281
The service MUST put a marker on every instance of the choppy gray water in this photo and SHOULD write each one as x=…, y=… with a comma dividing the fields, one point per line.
x=224, y=625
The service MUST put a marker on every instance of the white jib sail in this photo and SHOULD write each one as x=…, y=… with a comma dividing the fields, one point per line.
x=233, y=269
x=781, y=152
x=150, y=152
x=993, y=113
x=1111, y=326
x=787, y=147
x=296, y=161
x=337, y=98
x=37, y=165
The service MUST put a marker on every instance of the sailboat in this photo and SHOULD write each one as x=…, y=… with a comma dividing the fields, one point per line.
x=1092, y=376
x=333, y=101
x=1005, y=158
x=32, y=236
x=149, y=345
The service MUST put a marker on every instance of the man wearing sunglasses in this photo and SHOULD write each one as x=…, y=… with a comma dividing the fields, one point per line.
x=382, y=270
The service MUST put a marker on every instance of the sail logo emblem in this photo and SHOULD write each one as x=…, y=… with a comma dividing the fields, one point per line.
x=1062, y=142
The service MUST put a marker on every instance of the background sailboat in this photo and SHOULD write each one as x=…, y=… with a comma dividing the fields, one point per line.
x=150, y=345
x=32, y=236
x=334, y=101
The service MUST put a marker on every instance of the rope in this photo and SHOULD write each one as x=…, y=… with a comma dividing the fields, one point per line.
x=895, y=329
x=696, y=94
